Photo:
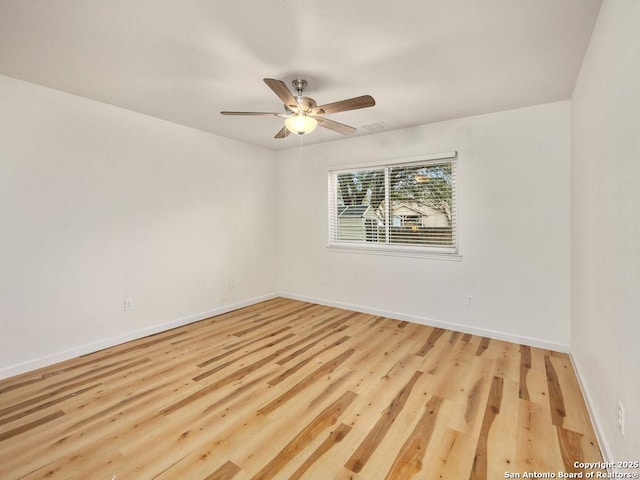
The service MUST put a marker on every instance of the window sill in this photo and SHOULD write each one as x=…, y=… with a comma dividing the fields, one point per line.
x=399, y=251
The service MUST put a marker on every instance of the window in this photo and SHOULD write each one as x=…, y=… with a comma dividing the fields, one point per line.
x=404, y=207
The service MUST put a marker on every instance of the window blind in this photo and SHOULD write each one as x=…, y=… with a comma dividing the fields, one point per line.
x=405, y=205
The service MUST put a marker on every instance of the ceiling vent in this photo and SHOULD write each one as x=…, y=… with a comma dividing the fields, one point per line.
x=374, y=127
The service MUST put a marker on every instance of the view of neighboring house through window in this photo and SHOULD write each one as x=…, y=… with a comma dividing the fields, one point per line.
x=409, y=205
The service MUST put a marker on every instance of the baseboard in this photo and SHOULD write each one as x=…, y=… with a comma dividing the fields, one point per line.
x=532, y=342
x=595, y=420
x=51, y=359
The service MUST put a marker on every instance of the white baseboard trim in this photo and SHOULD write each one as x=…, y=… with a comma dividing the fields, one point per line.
x=533, y=342
x=605, y=449
x=30, y=365
x=74, y=352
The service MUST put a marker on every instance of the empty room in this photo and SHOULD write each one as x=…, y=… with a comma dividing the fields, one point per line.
x=284, y=239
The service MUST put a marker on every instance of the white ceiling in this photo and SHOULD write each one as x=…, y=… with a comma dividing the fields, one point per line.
x=185, y=60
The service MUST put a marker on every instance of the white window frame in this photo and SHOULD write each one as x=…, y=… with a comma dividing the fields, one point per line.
x=444, y=253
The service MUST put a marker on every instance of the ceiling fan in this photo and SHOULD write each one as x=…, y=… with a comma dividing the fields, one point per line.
x=302, y=114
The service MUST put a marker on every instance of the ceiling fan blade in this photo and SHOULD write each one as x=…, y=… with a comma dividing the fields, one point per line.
x=355, y=103
x=335, y=126
x=282, y=133
x=281, y=90
x=257, y=114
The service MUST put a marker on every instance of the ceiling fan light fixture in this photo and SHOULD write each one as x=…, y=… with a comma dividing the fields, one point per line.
x=301, y=124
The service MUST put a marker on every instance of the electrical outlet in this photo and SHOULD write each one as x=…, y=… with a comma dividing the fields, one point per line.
x=469, y=300
x=323, y=279
x=232, y=284
x=128, y=304
x=621, y=418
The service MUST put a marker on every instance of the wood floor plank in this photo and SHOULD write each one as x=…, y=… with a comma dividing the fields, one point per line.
x=450, y=375
x=483, y=346
x=325, y=419
x=431, y=341
x=532, y=453
x=503, y=452
x=290, y=389
x=480, y=459
x=570, y=448
x=525, y=367
x=556, y=399
x=409, y=461
x=508, y=359
x=444, y=458
x=576, y=419
x=382, y=426
x=225, y=472
x=334, y=437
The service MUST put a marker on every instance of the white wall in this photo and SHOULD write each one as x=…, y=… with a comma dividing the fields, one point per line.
x=514, y=228
x=99, y=203
x=605, y=176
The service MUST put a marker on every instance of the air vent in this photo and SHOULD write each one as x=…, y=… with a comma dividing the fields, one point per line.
x=374, y=127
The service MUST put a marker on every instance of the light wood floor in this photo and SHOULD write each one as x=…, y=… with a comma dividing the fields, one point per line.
x=292, y=390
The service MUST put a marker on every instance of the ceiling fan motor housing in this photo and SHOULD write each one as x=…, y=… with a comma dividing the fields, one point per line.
x=307, y=103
